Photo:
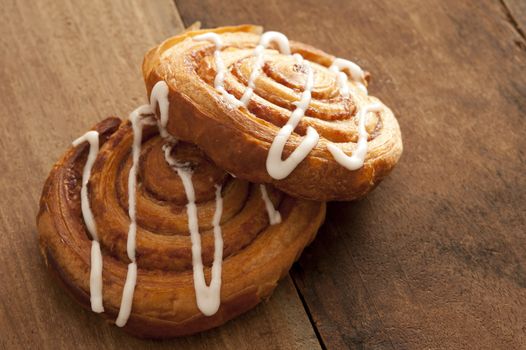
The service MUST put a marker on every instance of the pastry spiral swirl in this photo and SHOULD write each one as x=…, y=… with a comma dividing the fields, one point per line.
x=255, y=254
x=254, y=102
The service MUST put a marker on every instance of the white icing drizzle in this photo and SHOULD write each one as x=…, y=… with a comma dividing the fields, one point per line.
x=259, y=51
x=276, y=167
x=135, y=118
x=274, y=216
x=92, y=137
x=355, y=161
x=131, y=277
x=220, y=67
x=357, y=75
x=127, y=295
x=95, y=278
x=159, y=95
x=208, y=298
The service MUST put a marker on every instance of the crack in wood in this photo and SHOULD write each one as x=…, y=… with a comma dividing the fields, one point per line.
x=513, y=22
x=307, y=310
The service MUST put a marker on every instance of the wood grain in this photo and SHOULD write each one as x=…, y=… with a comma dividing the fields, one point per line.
x=65, y=66
x=436, y=256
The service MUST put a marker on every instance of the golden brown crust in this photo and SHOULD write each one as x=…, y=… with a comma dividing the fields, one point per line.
x=256, y=255
x=238, y=139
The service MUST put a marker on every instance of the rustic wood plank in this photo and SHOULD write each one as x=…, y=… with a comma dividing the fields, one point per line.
x=436, y=256
x=65, y=66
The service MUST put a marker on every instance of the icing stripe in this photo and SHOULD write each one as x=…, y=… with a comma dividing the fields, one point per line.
x=357, y=75
x=132, y=183
x=276, y=167
x=159, y=96
x=220, y=66
x=259, y=51
x=92, y=137
x=95, y=278
x=274, y=216
x=208, y=298
x=131, y=277
x=355, y=161
x=127, y=295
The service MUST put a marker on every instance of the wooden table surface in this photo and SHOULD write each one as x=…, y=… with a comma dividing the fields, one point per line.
x=434, y=258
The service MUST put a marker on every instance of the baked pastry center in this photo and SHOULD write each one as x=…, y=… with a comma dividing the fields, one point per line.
x=158, y=177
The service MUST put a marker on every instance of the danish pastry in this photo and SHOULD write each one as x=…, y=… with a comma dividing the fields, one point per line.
x=150, y=233
x=270, y=110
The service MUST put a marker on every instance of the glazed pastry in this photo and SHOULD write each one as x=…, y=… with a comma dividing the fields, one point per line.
x=270, y=110
x=151, y=234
